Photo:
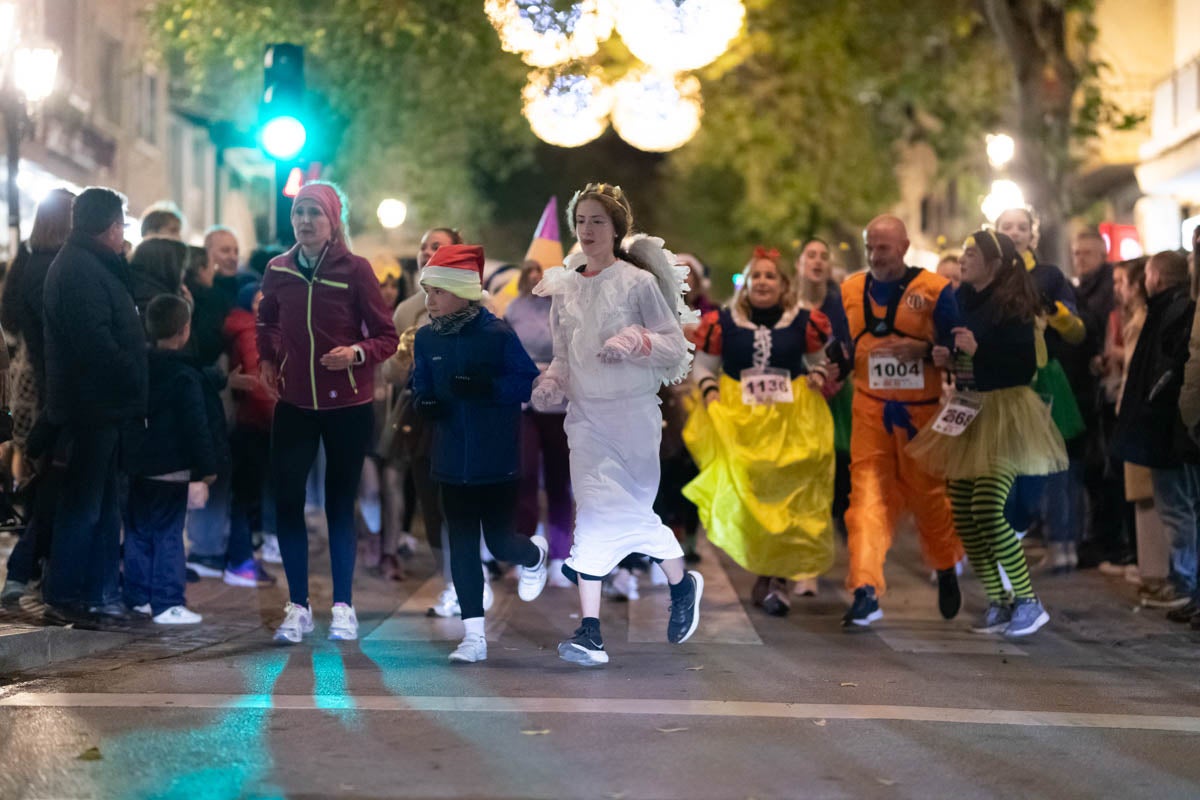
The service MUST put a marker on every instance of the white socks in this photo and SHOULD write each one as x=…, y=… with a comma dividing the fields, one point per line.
x=474, y=627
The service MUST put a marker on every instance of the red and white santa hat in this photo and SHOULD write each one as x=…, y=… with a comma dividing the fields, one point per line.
x=457, y=268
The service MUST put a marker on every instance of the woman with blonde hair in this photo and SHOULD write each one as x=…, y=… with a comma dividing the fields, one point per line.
x=764, y=438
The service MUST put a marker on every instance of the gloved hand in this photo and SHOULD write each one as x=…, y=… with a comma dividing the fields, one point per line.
x=431, y=408
x=626, y=342
x=548, y=394
x=471, y=387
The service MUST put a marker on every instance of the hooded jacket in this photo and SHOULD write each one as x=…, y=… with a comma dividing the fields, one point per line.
x=254, y=408
x=300, y=319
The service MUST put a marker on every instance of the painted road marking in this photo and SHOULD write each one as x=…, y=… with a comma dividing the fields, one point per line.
x=410, y=624
x=923, y=634
x=723, y=618
x=629, y=707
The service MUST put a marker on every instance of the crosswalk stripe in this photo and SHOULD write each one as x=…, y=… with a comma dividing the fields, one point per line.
x=616, y=706
x=410, y=624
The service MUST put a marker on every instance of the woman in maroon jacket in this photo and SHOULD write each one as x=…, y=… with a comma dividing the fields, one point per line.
x=323, y=326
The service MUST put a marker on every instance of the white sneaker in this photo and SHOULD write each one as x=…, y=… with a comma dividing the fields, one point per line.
x=556, y=577
x=806, y=587
x=470, y=650
x=144, y=608
x=624, y=585
x=344, y=627
x=447, y=602
x=297, y=621
x=270, y=549
x=533, y=579
x=177, y=615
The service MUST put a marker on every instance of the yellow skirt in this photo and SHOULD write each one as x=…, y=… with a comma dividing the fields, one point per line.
x=1014, y=430
x=765, y=487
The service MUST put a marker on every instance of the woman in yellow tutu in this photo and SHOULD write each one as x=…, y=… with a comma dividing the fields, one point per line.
x=994, y=427
x=763, y=439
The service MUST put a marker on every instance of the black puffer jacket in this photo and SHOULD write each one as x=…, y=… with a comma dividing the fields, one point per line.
x=178, y=432
x=1149, y=429
x=95, y=347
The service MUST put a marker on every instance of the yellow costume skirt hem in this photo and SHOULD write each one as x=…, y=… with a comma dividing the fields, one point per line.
x=1014, y=430
x=765, y=488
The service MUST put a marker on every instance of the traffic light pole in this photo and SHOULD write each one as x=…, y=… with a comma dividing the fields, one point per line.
x=284, y=234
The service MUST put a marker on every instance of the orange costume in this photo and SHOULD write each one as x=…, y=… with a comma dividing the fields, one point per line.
x=892, y=401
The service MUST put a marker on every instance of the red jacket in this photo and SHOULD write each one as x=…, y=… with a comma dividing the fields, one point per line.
x=301, y=320
x=255, y=408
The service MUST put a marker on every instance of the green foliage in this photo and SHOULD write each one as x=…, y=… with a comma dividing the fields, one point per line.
x=802, y=116
x=429, y=101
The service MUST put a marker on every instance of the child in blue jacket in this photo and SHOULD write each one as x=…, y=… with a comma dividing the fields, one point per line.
x=471, y=375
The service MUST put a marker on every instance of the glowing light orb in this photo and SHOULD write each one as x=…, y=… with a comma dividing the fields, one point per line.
x=1004, y=195
x=567, y=110
x=679, y=35
x=657, y=112
x=391, y=213
x=546, y=36
x=284, y=137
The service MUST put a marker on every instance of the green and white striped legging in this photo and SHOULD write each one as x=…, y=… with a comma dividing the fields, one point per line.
x=978, y=506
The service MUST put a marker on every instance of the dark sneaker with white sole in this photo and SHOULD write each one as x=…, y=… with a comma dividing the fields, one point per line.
x=864, y=610
x=585, y=648
x=685, y=608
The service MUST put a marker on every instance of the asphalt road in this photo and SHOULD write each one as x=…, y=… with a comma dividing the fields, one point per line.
x=1104, y=702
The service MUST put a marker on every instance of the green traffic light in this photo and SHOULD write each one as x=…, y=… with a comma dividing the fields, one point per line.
x=283, y=137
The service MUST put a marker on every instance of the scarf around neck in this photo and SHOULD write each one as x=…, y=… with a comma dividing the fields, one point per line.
x=448, y=324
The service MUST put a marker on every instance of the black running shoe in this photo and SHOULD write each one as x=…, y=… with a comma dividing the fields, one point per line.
x=949, y=596
x=685, y=611
x=585, y=648
x=864, y=610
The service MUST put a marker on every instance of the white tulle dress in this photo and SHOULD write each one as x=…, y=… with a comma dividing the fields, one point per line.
x=613, y=420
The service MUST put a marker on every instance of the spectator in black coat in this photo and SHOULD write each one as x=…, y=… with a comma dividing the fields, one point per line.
x=1150, y=430
x=95, y=383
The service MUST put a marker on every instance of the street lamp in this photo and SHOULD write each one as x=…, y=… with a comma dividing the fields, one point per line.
x=1005, y=194
x=1000, y=149
x=391, y=213
x=27, y=74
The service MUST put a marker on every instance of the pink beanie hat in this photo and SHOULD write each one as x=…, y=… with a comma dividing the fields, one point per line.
x=332, y=202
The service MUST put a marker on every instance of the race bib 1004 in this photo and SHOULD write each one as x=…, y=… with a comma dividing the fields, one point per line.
x=766, y=386
x=957, y=414
x=889, y=372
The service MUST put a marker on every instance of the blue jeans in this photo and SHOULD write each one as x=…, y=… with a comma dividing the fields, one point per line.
x=208, y=527
x=1177, y=498
x=1063, y=504
x=154, y=560
x=85, y=551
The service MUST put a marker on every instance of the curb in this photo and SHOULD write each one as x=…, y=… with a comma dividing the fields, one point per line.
x=25, y=647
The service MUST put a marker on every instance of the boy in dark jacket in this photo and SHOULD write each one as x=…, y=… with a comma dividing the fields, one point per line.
x=174, y=460
x=470, y=375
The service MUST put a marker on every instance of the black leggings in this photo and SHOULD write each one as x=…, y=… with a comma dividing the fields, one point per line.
x=492, y=507
x=295, y=435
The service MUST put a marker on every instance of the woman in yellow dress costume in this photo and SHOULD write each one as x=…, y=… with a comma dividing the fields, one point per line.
x=763, y=438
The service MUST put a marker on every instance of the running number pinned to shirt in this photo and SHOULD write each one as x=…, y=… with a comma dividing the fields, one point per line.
x=766, y=386
x=889, y=372
x=957, y=415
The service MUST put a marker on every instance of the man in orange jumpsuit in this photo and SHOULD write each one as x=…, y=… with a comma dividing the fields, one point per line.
x=896, y=313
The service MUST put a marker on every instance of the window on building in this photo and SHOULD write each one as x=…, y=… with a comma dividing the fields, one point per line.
x=112, y=78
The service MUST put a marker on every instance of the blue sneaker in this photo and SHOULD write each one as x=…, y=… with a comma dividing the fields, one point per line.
x=1027, y=616
x=995, y=619
x=865, y=608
